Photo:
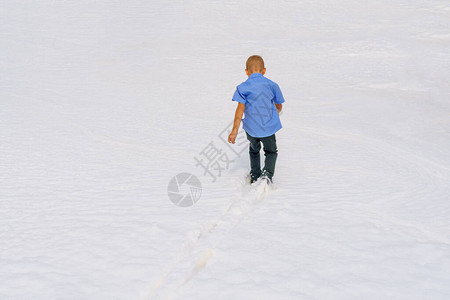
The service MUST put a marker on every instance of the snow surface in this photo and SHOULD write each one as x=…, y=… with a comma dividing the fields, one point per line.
x=103, y=102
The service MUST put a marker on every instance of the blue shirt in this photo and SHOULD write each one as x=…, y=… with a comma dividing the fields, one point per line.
x=259, y=95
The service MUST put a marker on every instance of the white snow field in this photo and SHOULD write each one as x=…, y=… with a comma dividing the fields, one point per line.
x=102, y=103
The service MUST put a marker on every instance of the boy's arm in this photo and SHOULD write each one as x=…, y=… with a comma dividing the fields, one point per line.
x=279, y=107
x=237, y=121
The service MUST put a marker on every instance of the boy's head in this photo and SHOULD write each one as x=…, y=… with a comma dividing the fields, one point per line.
x=255, y=64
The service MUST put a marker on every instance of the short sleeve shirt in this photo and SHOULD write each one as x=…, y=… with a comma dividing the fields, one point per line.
x=259, y=95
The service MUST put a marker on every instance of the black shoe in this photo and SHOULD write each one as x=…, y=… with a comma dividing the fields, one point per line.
x=253, y=177
x=266, y=175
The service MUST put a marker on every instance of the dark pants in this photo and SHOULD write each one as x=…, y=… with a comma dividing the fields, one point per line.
x=270, y=152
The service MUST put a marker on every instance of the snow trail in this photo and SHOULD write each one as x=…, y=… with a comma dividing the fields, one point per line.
x=201, y=243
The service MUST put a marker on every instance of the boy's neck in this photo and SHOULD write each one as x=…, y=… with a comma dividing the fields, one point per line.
x=262, y=72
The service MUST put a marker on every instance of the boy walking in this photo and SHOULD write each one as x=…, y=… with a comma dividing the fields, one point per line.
x=260, y=99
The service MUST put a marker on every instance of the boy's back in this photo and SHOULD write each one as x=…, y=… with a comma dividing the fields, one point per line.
x=259, y=95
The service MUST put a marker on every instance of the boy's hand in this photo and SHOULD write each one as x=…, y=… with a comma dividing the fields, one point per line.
x=232, y=137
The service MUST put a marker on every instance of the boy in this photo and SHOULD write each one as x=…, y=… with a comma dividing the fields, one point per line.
x=261, y=101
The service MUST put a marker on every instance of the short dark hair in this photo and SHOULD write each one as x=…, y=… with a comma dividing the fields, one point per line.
x=255, y=63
